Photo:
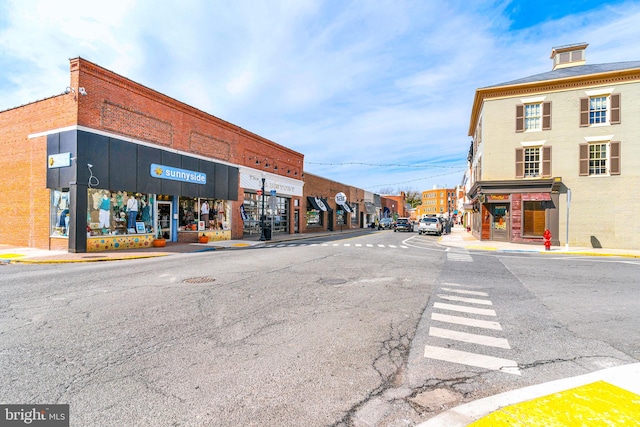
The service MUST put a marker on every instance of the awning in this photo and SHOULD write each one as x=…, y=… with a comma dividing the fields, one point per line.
x=467, y=206
x=347, y=207
x=326, y=204
x=317, y=203
x=369, y=208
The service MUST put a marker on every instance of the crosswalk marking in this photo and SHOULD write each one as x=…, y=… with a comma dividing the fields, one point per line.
x=460, y=291
x=470, y=338
x=464, y=299
x=477, y=323
x=472, y=359
x=458, y=256
x=392, y=246
x=369, y=245
x=346, y=245
x=464, y=309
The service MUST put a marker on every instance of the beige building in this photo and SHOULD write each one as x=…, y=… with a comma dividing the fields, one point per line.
x=558, y=151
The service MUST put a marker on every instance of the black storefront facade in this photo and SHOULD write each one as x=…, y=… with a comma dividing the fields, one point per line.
x=97, y=179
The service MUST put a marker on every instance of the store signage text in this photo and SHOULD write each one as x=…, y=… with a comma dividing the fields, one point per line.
x=176, y=174
x=60, y=160
x=497, y=197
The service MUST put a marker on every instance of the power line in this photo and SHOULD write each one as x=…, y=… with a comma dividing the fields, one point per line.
x=426, y=166
x=418, y=179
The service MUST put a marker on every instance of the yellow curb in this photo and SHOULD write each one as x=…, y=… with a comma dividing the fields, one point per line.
x=595, y=404
x=6, y=256
x=68, y=261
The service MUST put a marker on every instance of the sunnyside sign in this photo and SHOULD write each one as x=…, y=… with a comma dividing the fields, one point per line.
x=176, y=174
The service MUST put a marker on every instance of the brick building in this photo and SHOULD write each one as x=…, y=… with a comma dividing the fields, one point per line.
x=112, y=164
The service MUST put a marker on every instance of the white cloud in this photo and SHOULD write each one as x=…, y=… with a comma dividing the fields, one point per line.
x=385, y=82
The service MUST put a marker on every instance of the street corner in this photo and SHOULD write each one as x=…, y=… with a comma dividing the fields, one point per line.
x=597, y=403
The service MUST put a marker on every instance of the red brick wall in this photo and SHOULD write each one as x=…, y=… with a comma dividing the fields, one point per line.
x=23, y=164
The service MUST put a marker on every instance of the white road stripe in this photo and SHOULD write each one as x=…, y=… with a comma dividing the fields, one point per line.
x=470, y=338
x=404, y=247
x=463, y=299
x=369, y=245
x=477, y=323
x=358, y=245
x=472, y=359
x=464, y=309
x=392, y=246
x=380, y=246
x=347, y=244
x=325, y=244
x=460, y=291
x=457, y=284
x=335, y=244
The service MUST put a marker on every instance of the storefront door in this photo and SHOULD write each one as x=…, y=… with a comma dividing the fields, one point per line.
x=500, y=222
x=164, y=219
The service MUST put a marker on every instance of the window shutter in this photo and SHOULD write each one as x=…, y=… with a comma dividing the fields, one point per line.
x=584, y=111
x=614, y=160
x=546, y=115
x=519, y=162
x=519, y=118
x=584, y=160
x=615, y=109
x=546, y=161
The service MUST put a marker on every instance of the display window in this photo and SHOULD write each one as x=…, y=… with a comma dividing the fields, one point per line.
x=119, y=212
x=201, y=214
x=354, y=214
x=314, y=218
x=276, y=213
x=59, y=213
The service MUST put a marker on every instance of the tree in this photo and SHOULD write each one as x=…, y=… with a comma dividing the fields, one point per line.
x=412, y=197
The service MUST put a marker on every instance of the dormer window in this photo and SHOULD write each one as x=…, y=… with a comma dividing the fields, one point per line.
x=568, y=56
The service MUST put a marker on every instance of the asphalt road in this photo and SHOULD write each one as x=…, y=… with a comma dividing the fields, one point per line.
x=335, y=332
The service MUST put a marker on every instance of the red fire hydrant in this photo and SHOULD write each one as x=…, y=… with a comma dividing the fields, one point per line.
x=547, y=240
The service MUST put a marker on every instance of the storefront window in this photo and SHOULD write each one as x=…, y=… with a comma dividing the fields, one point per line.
x=203, y=214
x=314, y=218
x=276, y=211
x=251, y=206
x=533, y=219
x=118, y=212
x=354, y=214
x=499, y=218
x=59, y=218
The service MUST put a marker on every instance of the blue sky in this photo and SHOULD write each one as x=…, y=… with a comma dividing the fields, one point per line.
x=375, y=93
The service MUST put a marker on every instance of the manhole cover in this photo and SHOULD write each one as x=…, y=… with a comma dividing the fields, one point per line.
x=333, y=281
x=199, y=280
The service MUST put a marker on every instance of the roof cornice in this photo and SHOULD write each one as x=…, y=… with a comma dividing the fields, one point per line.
x=548, y=86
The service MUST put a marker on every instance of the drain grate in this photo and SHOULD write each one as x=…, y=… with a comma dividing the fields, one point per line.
x=199, y=280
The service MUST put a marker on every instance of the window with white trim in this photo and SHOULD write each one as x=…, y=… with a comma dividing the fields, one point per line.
x=532, y=162
x=533, y=116
x=600, y=158
x=600, y=109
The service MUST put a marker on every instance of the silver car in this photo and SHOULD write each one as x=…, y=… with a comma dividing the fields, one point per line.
x=430, y=225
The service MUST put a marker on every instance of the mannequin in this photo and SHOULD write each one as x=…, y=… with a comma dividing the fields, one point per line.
x=204, y=214
x=132, y=208
x=105, y=208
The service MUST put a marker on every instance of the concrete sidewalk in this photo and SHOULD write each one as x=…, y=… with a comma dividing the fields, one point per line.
x=14, y=254
x=610, y=397
x=461, y=238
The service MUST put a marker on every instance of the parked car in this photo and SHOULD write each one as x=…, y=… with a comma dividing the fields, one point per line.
x=430, y=225
x=385, y=223
x=403, y=224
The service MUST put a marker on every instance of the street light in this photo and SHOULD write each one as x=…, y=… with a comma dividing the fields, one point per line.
x=262, y=236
